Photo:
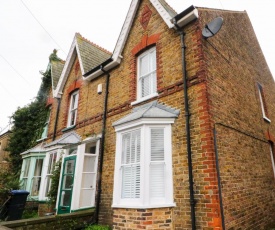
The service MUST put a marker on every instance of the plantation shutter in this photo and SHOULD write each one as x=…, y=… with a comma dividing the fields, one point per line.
x=147, y=75
x=157, y=164
x=130, y=165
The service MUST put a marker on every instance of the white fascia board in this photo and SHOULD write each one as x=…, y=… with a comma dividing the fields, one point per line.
x=66, y=70
x=163, y=13
x=120, y=42
x=33, y=154
x=79, y=57
x=100, y=72
x=125, y=29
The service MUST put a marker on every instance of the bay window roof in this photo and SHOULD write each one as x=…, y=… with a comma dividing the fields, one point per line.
x=149, y=110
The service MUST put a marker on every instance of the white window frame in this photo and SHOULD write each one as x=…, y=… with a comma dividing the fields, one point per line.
x=145, y=201
x=151, y=74
x=73, y=108
x=44, y=134
x=51, y=160
x=260, y=90
x=30, y=177
x=79, y=189
x=272, y=157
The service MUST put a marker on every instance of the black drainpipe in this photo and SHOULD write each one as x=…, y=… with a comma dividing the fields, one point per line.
x=56, y=118
x=187, y=125
x=219, y=177
x=102, y=146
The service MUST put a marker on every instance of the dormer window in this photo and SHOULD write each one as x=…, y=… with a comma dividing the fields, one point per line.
x=263, y=102
x=73, y=109
x=146, y=79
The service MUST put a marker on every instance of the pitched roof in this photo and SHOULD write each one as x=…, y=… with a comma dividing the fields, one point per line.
x=165, y=11
x=56, y=70
x=66, y=139
x=36, y=149
x=149, y=110
x=89, y=55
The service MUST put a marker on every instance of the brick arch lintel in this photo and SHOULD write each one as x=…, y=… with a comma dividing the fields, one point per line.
x=75, y=85
x=145, y=42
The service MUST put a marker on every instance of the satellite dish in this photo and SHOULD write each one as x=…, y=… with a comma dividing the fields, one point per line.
x=212, y=27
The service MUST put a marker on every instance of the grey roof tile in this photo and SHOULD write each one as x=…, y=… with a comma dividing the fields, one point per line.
x=66, y=139
x=91, y=54
x=56, y=70
x=36, y=149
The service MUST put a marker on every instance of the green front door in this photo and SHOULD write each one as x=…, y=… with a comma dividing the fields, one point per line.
x=66, y=189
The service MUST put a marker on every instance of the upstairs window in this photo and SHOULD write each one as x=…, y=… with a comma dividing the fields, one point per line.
x=146, y=79
x=46, y=125
x=263, y=102
x=73, y=109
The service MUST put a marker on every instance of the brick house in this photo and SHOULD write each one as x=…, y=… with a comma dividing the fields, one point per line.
x=172, y=130
x=4, y=138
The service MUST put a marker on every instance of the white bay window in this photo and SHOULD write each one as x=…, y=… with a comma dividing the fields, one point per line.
x=143, y=169
x=143, y=175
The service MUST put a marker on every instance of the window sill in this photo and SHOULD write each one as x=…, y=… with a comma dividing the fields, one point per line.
x=68, y=128
x=266, y=119
x=144, y=206
x=41, y=139
x=144, y=98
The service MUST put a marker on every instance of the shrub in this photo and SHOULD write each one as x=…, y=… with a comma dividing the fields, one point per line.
x=97, y=227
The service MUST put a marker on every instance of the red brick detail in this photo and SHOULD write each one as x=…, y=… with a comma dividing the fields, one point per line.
x=49, y=101
x=76, y=68
x=75, y=85
x=145, y=16
x=269, y=136
x=145, y=42
x=207, y=145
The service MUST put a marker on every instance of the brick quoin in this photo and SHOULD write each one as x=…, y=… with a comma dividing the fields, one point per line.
x=210, y=174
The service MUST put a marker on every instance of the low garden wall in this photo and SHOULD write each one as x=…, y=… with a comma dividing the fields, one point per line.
x=71, y=221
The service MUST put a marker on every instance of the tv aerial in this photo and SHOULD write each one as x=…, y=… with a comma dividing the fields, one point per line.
x=212, y=27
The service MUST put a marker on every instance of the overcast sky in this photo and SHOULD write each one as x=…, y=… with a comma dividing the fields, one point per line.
x=31, y=29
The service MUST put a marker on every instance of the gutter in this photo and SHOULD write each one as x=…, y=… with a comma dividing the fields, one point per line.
x=186, y=16
x=179, y=22
x=102, y=144
x=98, y=70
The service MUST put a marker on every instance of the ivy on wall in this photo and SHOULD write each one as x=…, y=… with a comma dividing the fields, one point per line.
x=28, y=123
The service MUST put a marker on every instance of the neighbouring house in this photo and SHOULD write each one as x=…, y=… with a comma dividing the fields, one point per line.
x=173, y=130
x=4, y=154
